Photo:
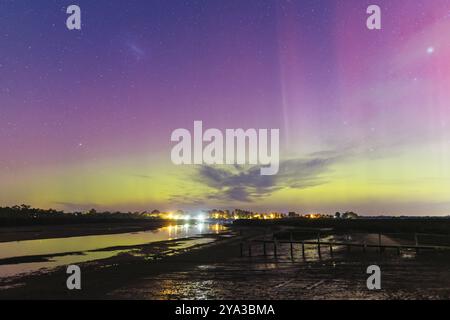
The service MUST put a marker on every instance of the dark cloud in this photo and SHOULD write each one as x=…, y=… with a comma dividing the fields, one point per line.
x=237, y=183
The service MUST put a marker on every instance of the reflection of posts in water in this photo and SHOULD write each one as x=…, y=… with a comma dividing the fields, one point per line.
x=264, y=242
x=318, y=246
x=292, y=248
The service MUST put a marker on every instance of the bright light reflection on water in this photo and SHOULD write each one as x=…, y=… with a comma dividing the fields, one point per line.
x=85, y=245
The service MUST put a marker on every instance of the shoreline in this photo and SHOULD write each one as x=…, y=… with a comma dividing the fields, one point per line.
x=123, y=268
x=21, y=233
x=215, y=270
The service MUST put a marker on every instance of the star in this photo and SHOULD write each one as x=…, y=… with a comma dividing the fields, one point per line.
x=430, y=50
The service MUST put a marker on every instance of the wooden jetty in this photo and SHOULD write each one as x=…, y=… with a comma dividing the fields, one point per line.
x=320, y=244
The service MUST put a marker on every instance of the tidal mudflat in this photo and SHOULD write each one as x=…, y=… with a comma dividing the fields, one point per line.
x=209, y=266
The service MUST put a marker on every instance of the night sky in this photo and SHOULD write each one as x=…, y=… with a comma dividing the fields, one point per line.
x=364, y=115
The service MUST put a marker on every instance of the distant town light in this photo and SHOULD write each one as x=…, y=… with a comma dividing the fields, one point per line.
x=243, y=214
x=200, y=217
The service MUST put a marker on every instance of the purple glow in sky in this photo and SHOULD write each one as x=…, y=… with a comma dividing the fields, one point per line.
x=364, y=115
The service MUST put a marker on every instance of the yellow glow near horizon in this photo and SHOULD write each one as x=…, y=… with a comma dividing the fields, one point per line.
x=385, y=184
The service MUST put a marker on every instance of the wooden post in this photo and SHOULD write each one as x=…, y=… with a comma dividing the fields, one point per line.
x=264, y=242
x=274, y=247
x=242, y=249
x=398, y=251
x=292, y=247
x=303, y=250
x=249, y=248
x=348, y=245
x=416, y=239
x=331, y=250
x=318, y=246
x=379, y=242
x=364, y=246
